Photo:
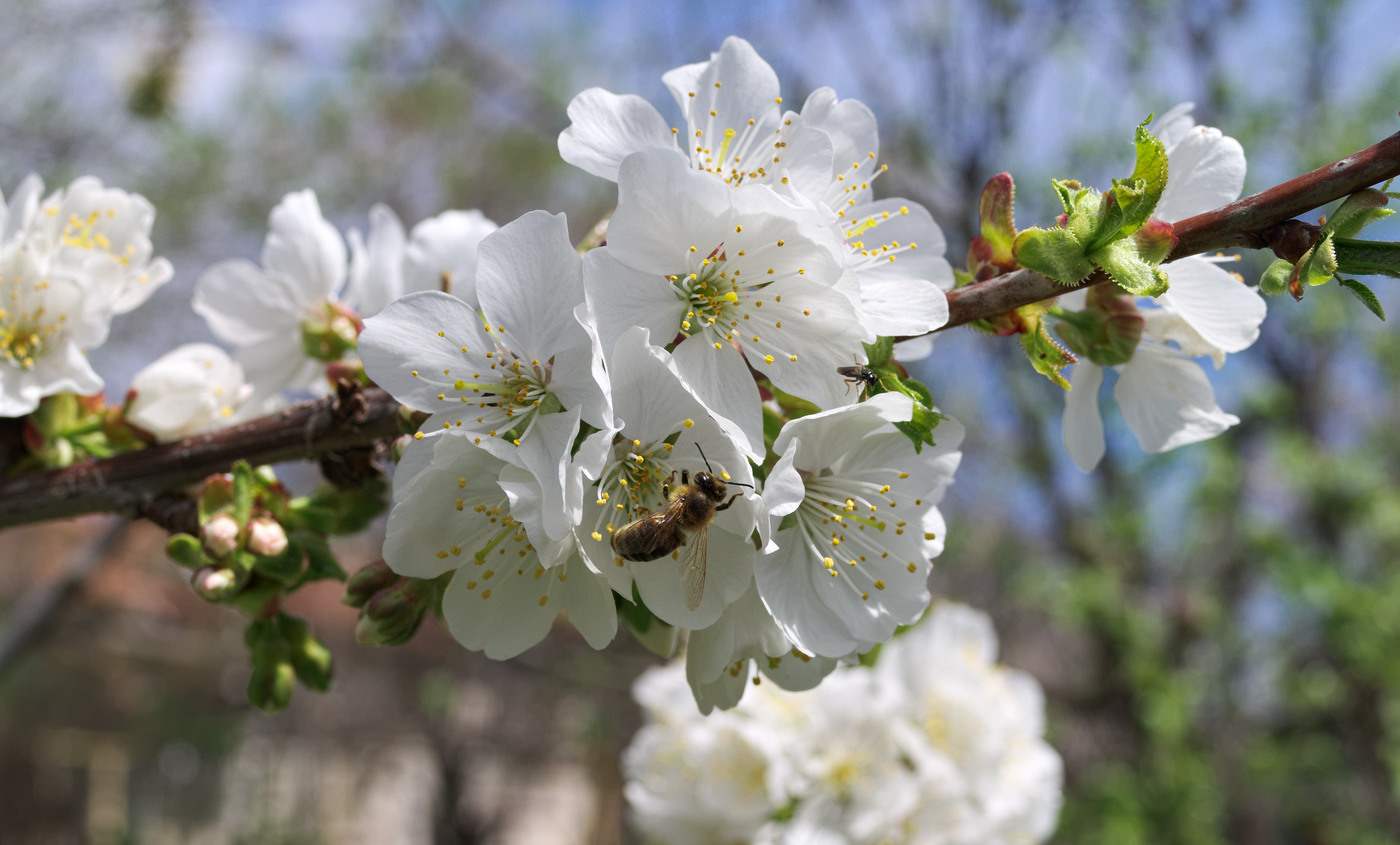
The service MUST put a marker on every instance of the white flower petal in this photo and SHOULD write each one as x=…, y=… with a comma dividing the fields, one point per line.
x=1168, y=402
x=605, y=128
x=1083, y=427
x=1223, y=311
x=302, y=246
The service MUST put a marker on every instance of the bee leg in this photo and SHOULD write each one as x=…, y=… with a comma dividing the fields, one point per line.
x=726, y=505
x=848, y=387
x=666, y=488
x=685, y=476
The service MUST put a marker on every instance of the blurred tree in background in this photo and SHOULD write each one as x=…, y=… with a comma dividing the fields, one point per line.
x=1216, y=628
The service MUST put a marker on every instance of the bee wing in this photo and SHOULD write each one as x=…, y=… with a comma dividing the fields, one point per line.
x=693, y=567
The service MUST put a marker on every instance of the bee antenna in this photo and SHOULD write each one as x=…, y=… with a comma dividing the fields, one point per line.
x=705, y=459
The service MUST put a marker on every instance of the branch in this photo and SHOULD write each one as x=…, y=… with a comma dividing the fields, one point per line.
x=1255, y=222
x=137, y=484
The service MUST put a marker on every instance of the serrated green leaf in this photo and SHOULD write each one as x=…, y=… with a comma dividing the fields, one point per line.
x=1055, y=253
x=1367, y=258
x=1320, y=264
x=1108, y=223
x=1066, y=191
x=1365, y=294
x=1356, y=212
x=1120, y=260
x=1139, y=193
x=1046, y=356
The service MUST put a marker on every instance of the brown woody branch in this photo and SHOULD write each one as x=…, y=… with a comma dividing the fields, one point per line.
x=140, y=484
x=1259, y=221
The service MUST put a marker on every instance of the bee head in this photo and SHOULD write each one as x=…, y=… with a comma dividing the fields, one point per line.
x=712, y=487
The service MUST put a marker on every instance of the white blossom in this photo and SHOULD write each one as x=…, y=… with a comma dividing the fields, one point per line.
x=746, y=278
x=492, y=371
x=190, y=390
x=937, y=745
x=852, y=509
x=827, y=154
x=1166, y=399
x=499, y=517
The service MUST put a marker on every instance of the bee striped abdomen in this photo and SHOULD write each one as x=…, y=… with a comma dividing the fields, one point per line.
x=648, y=538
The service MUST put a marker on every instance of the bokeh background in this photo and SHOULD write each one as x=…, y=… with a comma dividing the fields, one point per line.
x=1217, y=629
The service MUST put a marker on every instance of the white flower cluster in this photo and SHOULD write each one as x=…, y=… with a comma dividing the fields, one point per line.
x=746, y=262
x=1165, y=397
x=936, y=744
x=69, y=262
x=298, y=313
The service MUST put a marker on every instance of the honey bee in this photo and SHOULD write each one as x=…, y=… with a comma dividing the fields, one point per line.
x=690, y=507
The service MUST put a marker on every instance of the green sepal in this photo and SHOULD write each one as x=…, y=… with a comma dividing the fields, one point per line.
x=186, y=550
x=919, y=428
x=284, y=567
x=879, y=353
x=1274, y=281
x=1367, y=258
x=310, y=659
x=242, y=492
x=1365, y=294
x=654, y=635
x=270, y=686
x=321, y=564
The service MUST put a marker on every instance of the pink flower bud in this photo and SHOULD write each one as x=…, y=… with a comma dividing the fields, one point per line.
x=219, y=535
x=266, y=537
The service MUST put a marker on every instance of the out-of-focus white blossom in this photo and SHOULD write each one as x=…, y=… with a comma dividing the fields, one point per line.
x=936, y=744
x=190, y=390
x=68, y=263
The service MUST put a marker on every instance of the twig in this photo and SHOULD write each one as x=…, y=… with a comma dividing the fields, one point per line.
x=137, y=484
x=132, y=484
x=37, y=608
x=1252, y=222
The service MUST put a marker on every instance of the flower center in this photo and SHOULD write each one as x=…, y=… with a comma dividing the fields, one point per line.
x=26, y=327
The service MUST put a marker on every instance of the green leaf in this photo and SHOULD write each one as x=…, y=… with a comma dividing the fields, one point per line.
x=1055, y=253
x=1320, y=264
x=1365, y=294
x=1358, y=211
x=1121, y=261
x=1139, y=194
x=242, y=492
x=879, y=352
x=1046, y=356
x=1367, y=258
x=321, y=564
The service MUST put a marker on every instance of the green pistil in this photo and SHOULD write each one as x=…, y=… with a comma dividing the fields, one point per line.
x=506, y=531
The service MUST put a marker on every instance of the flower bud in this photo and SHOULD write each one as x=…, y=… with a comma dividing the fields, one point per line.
x=219, y=535
x=309, y=657
x=266, y=537
x=370, y=579
x=270, y=686
x=215, y=583
x=392, y=615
